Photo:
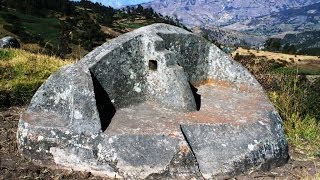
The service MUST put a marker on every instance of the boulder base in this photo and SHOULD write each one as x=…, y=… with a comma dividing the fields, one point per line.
x=158, y=102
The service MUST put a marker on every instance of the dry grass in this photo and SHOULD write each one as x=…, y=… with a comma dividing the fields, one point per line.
x=21, y=73
x=275, y=56
x=110, y=31
x=309, y=65
x=296, y=98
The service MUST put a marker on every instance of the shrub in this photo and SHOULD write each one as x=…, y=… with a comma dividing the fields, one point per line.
x=301, y=124
x=291, y=60
x=6, y=54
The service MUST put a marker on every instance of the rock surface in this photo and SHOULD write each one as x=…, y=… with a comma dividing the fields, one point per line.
x=9, y=42
x=158, y=102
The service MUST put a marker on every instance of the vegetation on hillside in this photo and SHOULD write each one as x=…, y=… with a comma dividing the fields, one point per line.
x=306, y=43
x=295, y=95
x=69, y=28
x=21, y=73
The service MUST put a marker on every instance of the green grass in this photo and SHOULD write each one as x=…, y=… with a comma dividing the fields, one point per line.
x=2, y=21
x=301, y=123
x=3, y=32
x=293, y=71
x=130, y=25
x=6, y=54
x=46, y=27
x=21, y=73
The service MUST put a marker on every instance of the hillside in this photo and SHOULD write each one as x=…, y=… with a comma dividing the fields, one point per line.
x=70, y=29
x=247, y=24
x=293, y=20
x=219, y=12
x=307, y=65
x=305, y=43
x=230, y=38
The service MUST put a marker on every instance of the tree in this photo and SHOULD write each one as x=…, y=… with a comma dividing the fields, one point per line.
x=290, y=49
x=149, y=13
x=273, y=44
x=139, y=9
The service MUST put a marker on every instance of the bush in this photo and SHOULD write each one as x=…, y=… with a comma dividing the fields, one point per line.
x=6, y=54
x=300, y=122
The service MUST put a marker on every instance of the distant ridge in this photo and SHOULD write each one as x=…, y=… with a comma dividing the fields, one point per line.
x=221, y=13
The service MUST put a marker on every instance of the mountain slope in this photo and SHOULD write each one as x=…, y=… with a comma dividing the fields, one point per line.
x=230, y=38
x=305, y=43
x=71, y=32
x=305, y=18
x=221, y=12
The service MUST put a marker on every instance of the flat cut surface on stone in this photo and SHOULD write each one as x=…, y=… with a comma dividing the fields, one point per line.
x=219, y=104
x=158, y=102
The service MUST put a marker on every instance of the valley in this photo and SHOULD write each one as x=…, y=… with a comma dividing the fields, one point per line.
x=218, y=13
x=247, y=24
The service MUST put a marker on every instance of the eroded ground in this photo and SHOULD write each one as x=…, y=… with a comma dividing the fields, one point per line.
x=13, y=166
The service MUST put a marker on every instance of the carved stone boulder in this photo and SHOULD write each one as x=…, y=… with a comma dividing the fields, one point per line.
x=158, y=102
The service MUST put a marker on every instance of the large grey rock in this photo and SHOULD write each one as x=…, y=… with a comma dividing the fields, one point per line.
x=158, y=102
x=9, y=42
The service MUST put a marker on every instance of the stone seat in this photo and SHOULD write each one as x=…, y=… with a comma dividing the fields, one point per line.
x=158, y=102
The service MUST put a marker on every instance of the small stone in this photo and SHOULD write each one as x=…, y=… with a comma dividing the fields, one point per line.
x=9, y=42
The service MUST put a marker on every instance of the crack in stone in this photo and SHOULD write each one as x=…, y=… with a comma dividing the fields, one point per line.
x=195, y=157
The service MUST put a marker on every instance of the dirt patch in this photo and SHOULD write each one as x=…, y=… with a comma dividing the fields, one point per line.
x=14, y=166
x=276, y=56
x=309, y=64
x=110, y=31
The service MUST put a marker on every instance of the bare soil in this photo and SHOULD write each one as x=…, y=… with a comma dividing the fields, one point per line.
x=275, y=56
x=14, y=166
x=301, y=61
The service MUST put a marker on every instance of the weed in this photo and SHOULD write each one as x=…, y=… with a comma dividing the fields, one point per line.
x=296, y=97
x=293, y=71
x=301, y=125
x=6, y=54
x=291, y=60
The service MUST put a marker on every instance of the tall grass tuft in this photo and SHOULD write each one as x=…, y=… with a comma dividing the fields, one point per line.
x=21, y=73
x=301, y=125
